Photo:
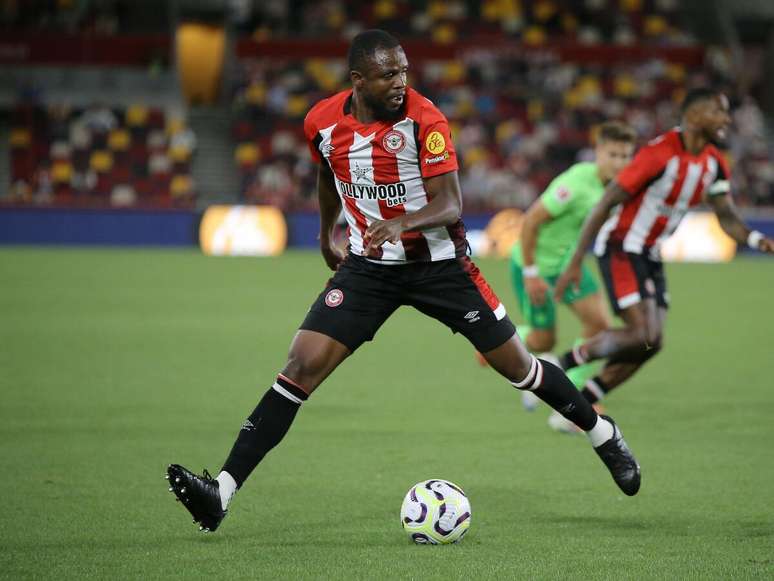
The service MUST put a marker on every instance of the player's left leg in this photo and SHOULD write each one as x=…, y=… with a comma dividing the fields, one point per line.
x=551, y=385
x=627, y=349
x=469, y=306
x=539, y=332
x=620, y=368
x=630, y=279
x=587, y=305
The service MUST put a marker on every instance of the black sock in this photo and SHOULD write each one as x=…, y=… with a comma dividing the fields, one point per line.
x=264, y=429
x=554, y=388
x=571, y=359
x=595, y=389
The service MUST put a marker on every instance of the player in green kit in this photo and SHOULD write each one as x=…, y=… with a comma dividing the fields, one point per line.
x=548, y=238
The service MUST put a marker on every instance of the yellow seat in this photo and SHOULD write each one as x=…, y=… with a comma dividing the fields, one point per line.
x=247, y=154
x=101, y=161
x=119, y=140
x=181, y=185
x=136, y=115
x=179, y=153
x=61, y=172
x=297, y=105
x=20, y=138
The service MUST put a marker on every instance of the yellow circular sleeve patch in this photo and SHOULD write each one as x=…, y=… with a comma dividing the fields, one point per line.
x=435, y=143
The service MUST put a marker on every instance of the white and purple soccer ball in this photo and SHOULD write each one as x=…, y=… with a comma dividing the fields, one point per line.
x=435, y=512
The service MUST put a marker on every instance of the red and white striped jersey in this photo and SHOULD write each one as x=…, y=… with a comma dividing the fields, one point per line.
x=378, y=169
x=664, y=181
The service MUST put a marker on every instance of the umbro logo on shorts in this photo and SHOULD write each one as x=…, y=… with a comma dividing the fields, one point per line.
x=472, y=316
x=334, y=298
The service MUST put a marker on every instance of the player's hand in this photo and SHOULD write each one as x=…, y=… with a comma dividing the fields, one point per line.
x=537, y=289
x=332, y=255
x=766, y=245
x=570, y=276
x=381, y=231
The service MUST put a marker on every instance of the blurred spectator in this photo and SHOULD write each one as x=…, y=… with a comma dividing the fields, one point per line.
x=535, y=22
x=516, y=120
x=100, y=156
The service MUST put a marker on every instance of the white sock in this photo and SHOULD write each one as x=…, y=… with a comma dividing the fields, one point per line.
x=228, y=487
x=601, y=432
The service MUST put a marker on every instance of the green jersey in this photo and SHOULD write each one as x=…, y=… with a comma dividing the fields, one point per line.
x=569, y=198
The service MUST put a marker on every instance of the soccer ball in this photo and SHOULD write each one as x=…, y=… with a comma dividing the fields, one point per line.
x=435, y=512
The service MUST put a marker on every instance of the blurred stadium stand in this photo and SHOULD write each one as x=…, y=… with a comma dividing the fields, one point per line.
x=97, y=109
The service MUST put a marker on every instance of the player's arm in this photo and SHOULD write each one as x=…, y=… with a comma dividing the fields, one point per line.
x=443, y=209
x=536, y=287
x=614, y=195
x=732, y=224
x=330, y=206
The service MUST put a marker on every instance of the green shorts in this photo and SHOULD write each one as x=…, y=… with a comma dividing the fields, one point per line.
x=544, y=316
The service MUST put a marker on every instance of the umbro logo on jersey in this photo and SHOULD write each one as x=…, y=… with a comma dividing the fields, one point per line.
x=472, y=317
x=248, y=425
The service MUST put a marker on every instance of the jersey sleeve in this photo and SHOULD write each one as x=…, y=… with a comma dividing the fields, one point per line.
x=557, y=198
x=312, y=136
x=722, y=183
x=436, y=150
x=644, y=168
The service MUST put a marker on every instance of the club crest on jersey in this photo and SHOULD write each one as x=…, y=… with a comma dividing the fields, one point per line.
x=394, y=142
x=562, y=194
x=334, y=298
x=435, y=142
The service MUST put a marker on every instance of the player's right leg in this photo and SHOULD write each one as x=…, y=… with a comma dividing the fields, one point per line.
x=312, y=357
x=347, y=313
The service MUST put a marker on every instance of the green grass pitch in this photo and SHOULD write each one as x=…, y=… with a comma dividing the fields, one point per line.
x=114, y=363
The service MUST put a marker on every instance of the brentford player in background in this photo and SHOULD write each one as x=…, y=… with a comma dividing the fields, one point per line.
x=640, y=209
x=385, y=155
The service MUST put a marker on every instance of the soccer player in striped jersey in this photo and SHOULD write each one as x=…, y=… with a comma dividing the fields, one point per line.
x=549, y=234
x=640, y=209
x=385, y=155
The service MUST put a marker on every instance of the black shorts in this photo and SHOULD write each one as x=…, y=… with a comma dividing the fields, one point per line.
x=630, y=278
x=362, y=295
